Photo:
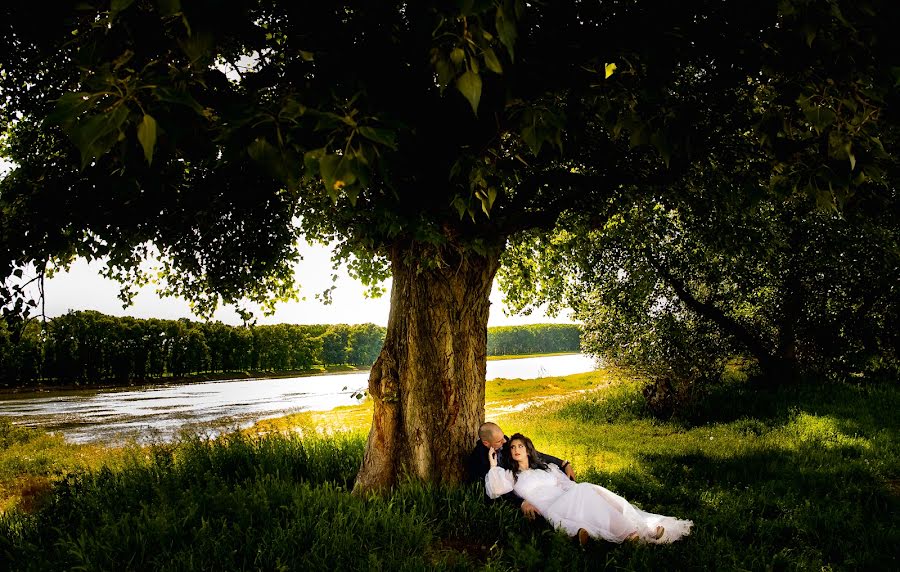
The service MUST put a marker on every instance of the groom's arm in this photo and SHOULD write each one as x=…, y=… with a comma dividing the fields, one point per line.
x=564, y=466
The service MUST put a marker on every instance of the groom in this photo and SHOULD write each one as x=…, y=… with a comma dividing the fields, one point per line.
x=492, y=441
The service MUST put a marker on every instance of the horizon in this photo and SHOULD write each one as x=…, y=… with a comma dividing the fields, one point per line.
x=82, y=287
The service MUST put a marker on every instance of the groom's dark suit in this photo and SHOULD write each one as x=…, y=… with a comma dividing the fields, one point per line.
x=478, y=465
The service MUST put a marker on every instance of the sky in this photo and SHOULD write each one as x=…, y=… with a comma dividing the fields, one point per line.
x=83, y=287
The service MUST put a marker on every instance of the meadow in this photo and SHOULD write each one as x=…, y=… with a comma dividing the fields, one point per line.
x=803, y=477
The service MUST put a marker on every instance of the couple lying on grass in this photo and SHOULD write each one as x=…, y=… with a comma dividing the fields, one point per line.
x=544, y=485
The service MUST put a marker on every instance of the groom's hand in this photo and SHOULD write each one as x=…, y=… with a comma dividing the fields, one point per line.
x=529, y=510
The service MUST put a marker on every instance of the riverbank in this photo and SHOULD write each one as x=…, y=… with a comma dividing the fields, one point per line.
x=199, y=378
x=27, y=468
x=502, y=397
x=222, y=376
x=797, y=478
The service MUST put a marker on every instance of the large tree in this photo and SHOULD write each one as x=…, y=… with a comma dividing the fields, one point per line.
x=420, y=137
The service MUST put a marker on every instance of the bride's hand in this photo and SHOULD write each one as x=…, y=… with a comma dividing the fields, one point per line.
x=492, y=457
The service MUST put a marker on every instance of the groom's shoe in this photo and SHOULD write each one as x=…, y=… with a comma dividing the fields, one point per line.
x=583, y=537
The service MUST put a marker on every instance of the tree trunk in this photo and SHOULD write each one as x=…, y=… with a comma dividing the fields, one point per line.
x=427, y=384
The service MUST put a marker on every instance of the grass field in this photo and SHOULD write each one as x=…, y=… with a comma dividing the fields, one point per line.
x=801, y=478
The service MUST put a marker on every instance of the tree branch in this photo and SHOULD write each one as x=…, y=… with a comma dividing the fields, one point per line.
x=711, y=312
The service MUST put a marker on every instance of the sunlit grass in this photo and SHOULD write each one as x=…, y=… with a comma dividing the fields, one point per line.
x=500, y=396
x=31, y=459
x=799, y=478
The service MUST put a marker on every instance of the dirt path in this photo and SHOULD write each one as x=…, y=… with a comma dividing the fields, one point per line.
x=502, y=407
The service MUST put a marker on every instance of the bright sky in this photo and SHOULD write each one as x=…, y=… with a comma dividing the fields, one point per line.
x=83, y=288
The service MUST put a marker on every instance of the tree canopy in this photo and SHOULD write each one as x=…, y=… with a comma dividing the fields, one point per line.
x=220, y=136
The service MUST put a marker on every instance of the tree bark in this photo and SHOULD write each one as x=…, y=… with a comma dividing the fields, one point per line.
x=427, y=384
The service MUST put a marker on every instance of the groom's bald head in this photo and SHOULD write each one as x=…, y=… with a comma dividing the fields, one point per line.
x=491, y=435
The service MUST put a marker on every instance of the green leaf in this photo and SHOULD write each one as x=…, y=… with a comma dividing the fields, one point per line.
x=311, y=161
x=484, y=206
x=659, y=140
x=639, y=136
x=146, y=133
x=469, y=84
x=457, y=56
x=97, y=134
x=327, y=168
x=292, y=110
x=123, y=59
x=328, y=121
x=338, y=173
x=169, y=7
x=529, y=135
x=506, y=28
x=69, y=107
x=386, y=137
x=271, y=159
x=117, y=6
x=492, y=62
x=178, y=97
x=260, y=149
x=445, y=73
x=487, y=200
x=810, y=33
x=460, y=205
x=819, y=117
x=198, y=47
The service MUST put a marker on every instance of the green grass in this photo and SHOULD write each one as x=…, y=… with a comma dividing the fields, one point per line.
x=801, y=478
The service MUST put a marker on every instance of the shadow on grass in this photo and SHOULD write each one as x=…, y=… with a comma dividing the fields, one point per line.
x=283, y=503
x=859, y=407
x=806, y=508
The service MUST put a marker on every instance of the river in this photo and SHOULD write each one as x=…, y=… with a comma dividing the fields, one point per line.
x=160, y=412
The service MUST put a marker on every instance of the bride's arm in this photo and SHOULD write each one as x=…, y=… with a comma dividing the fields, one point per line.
x=498, y=482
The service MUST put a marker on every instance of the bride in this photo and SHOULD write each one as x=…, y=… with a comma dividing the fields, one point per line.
x=581, y=509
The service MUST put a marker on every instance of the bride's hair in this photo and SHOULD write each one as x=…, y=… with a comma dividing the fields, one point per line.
x=534, y=462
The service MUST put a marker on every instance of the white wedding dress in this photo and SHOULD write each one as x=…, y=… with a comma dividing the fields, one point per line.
x=570, y=506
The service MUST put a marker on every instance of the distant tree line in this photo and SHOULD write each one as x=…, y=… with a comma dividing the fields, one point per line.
x=89, y=347
x=533, y=339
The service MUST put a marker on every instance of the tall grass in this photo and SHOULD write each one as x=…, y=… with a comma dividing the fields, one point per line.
x=797, y=479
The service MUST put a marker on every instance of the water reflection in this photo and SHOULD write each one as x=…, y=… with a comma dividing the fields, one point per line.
x=160, y=412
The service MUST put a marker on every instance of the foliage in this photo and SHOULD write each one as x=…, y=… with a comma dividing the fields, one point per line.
x=676, y=288
x=738, y=255
x=533, y=339
x=800, y=479
x=363, y=344
x=91, y=348
x=339, y=115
